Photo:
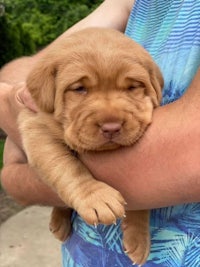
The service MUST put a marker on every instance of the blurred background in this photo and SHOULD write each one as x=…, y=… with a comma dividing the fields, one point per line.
x=28, y=25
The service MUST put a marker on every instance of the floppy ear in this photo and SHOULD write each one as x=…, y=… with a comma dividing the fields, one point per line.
x=41, y=85
x=157, y=83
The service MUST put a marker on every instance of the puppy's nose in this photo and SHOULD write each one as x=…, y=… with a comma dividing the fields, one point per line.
x=111, y=129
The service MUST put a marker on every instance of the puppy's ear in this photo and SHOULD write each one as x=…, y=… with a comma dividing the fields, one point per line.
x=41, y=85
x=157, y=83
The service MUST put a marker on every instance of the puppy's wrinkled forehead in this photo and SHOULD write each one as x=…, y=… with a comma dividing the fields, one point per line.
x=103, y=53
x=103, y=57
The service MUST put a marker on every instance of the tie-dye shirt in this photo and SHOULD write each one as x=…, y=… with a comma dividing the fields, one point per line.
x=170, y=31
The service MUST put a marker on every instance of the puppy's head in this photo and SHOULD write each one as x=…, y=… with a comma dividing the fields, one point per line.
x=102, y=87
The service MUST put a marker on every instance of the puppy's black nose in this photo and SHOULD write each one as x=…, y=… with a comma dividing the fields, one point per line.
x=110, y=129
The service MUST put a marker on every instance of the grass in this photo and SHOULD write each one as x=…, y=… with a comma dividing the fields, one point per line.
x=1, y=153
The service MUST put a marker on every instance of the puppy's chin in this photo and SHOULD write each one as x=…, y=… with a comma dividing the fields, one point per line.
x=108, y=146
x=81, y=147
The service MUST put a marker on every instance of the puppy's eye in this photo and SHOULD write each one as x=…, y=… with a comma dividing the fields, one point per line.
x=135, y=85
x=80, y=90
x=131, y=88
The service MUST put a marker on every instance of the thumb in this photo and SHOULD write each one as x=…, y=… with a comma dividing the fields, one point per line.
x=24, y=97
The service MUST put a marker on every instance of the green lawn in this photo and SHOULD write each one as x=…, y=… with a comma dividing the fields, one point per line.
x=1, y=153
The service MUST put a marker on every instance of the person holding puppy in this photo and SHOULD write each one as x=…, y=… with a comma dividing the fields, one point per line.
x=162, y=170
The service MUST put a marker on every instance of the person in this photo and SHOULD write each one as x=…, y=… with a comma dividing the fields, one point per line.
x=161, y=172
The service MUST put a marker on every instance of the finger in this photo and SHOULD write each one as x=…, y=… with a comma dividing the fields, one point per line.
x=24, y=97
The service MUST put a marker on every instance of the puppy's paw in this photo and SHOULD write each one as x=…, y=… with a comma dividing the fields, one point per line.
x=60, y=223
x=136, y=243
x=101, y=204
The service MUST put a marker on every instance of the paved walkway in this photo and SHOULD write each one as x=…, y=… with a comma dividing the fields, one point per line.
x=25, y=240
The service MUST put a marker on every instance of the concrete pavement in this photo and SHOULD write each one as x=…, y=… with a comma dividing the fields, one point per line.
x=25, y=240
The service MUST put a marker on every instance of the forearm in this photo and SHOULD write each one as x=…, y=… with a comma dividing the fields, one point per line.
x=22, y=183
x=110, y=14
x=163, y=168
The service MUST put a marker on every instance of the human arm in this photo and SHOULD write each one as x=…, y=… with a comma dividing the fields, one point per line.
x=22, y=182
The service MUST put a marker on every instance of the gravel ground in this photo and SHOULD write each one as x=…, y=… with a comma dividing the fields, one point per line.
x=8, y=206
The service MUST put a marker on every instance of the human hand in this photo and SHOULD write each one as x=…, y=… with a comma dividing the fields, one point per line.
x=13, y=98
x=17, y=177
x=24, y=97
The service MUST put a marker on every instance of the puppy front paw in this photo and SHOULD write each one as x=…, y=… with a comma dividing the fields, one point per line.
x=101, y=204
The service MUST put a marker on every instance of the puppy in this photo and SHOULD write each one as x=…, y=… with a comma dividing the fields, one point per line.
x=96, y=90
